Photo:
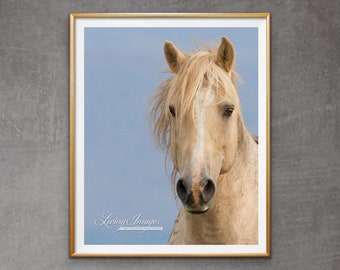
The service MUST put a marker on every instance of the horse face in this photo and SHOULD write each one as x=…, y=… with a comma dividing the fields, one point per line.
x=203, y=134
x=203, y=146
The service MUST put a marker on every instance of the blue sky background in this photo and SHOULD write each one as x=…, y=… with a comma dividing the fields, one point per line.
x=124, y=170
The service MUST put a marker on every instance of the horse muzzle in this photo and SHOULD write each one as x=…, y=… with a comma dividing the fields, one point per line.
x=196, y=197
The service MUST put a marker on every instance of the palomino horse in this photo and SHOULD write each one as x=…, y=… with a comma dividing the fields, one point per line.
x=197, y=118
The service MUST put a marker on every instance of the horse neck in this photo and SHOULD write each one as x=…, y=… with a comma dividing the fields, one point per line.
x=241, y=181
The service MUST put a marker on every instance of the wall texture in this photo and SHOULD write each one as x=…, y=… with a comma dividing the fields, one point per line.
x=305, y=157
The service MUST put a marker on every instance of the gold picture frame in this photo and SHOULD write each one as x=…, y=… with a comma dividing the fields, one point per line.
x=78, y=136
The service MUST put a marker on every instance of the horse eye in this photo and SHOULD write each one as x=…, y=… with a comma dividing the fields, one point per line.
x=228, y=111
x=172, y=111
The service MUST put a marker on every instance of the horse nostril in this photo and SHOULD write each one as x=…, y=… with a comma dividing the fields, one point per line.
x=208, y=190
x=182, y=191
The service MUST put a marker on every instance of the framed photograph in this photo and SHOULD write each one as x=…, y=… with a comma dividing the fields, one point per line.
x=170, y=135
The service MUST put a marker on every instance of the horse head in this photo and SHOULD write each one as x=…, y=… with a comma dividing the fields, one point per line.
x=198, y=118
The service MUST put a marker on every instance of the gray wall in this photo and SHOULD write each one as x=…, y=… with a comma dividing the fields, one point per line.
x=34, y=102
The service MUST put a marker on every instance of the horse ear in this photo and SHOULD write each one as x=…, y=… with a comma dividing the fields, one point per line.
x=173, y=56
x=226, y=55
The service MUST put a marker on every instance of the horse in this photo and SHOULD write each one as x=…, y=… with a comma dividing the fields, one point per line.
x=196, y=117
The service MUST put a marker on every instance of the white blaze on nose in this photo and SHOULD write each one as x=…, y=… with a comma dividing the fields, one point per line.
x=203, y=99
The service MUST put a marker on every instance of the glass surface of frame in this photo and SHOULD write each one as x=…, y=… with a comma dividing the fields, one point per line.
x=133, y=79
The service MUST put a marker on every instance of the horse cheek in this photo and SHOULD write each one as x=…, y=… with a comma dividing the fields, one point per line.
x=228, y=149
